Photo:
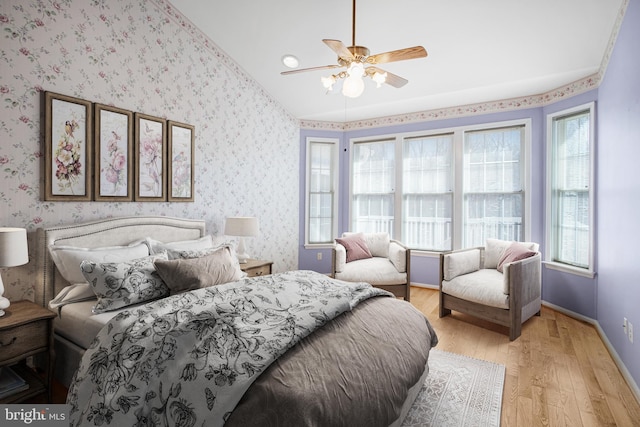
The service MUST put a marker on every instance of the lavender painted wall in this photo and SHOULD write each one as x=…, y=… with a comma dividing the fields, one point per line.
x=618, y=290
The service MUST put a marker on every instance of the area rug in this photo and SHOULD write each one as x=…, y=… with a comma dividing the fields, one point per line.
x=459, y=391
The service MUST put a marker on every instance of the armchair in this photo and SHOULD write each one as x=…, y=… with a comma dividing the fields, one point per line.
x=387, y=266
x=500, y=282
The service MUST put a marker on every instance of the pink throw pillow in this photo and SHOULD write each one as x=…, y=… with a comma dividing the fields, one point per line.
x=515, y=252
x=356, y=247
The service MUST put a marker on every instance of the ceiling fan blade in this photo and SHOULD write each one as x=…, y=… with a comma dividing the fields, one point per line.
x=302, y=70
x=398, y=55
x=338, y=47
x=392, y=79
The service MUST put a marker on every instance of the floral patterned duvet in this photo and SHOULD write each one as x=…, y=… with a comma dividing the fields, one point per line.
x=188, y=359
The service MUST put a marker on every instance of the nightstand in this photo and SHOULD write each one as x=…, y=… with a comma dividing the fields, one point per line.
x=26, y=330
x=256, y=267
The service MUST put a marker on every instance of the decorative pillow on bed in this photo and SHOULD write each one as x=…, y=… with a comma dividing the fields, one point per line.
x=156, y=247
x=515, y=252
x=356, y=247
x=122, y=284
x=213, y=268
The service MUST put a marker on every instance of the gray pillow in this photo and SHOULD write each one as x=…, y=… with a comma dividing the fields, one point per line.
x=215, y=268
x=120, y=284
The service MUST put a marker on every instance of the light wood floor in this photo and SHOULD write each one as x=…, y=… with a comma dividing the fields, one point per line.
x=558, y=372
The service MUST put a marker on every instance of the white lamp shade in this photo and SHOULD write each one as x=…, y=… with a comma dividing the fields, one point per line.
x=241, y=226
x=13, y=247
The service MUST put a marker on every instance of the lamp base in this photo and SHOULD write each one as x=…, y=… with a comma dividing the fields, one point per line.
x=4, y=303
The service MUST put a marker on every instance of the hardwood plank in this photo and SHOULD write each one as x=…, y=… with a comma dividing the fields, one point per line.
x=558, y=372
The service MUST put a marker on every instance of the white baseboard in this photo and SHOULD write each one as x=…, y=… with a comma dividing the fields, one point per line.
x=425, y=285
x=614, y=355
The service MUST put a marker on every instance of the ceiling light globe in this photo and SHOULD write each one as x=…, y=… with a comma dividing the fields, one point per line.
x=353, y=86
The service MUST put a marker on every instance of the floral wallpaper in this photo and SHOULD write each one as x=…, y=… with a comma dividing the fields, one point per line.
x=143, y=56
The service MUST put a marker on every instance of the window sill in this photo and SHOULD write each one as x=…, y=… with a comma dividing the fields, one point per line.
x=569, y=269
x=318, y=245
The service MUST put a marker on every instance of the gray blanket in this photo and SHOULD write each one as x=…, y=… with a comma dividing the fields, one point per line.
x=188, y=359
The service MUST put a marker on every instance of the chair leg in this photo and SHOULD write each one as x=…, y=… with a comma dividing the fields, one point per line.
x=515, y=331
x=538, y=313
x=407, y=293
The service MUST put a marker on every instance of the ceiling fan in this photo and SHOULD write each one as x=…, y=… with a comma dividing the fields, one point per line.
x=359, y=63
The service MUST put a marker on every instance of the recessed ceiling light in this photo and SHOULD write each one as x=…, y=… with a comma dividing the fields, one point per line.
x=290, y=61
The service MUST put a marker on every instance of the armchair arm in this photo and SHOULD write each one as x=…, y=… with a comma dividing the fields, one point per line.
x=398, y=255
x=339, y=259
x=523, y=277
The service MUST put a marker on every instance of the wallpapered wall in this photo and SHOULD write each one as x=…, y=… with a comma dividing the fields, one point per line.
x=143, y=56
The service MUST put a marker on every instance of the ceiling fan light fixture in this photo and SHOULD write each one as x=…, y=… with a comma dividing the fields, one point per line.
x=290, y=61
x=379, y=78
x=328, y=82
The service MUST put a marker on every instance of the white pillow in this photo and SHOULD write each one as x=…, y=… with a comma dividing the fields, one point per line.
x=459, y=263
x=377, y=243
x=69, y=258
x=72, y=293
x=156, y=246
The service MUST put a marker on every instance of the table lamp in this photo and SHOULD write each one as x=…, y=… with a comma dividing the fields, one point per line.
x=13, y=252
x=241, y=226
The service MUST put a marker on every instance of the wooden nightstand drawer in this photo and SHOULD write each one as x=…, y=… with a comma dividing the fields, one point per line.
x=21, y=340
x=259, y=271
x=256, y=267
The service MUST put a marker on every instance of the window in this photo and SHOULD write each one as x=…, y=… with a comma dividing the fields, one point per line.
x=322, y=185
x=373, y=187
x=444, y=189
x=427, y=198
x=493, y=185
x=569, y=194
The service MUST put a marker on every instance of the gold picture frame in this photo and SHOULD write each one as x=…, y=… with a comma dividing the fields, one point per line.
x=67, y=148
x=113, y=154
x=150, y=154
x=181, y=157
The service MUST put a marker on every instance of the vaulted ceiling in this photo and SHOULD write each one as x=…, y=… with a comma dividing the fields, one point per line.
x=478, y=51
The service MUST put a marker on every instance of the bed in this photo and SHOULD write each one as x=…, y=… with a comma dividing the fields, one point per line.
x=292, y=348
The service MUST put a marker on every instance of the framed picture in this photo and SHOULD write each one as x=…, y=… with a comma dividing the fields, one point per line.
x=113, y=154
x=181, y=162
x=68, y=148
x=150, y=158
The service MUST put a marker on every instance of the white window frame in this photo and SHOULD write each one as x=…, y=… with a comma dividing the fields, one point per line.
x=335, y=143
x=550, y=238
x=458, y=194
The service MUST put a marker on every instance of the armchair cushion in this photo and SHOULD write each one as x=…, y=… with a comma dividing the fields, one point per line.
x=375, y=271
x=377, y=243
x=494, y=249
x=516, y=251
x=458, y=263
x=356, y=247
x=484, y=287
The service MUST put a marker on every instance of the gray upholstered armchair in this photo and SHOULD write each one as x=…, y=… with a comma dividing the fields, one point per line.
x=500, y=283
x=387, y=267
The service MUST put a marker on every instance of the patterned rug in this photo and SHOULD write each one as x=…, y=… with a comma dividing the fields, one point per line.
x=459, y=391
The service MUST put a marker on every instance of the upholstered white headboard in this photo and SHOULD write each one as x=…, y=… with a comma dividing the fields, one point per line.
x=100, y=233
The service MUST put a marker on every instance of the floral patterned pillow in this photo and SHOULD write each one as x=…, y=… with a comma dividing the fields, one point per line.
x=120, y=284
